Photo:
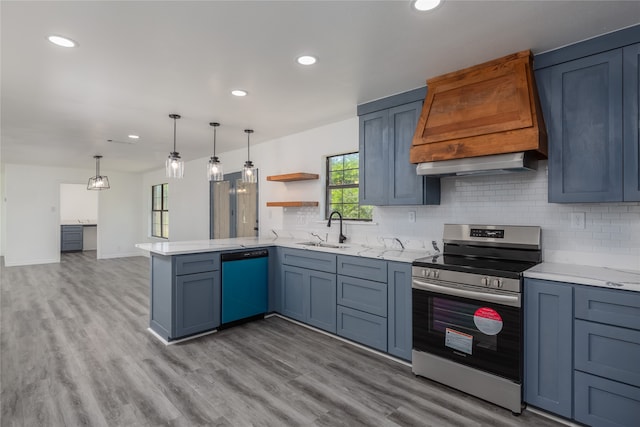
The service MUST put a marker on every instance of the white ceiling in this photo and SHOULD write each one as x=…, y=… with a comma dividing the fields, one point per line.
x=137, y=62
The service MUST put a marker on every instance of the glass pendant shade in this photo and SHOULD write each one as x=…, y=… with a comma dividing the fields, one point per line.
x=214, y=167
x=249, y=171
x=98, y=182
x=174, y=166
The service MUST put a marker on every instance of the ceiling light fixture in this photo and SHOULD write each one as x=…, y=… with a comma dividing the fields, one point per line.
x=134, y=136
x=62, y=41
x=307, y=60
x=214, y=168
x=174, y=165
x=426, y=5
x=249, y=172
x=239, y=92
x=98, y=182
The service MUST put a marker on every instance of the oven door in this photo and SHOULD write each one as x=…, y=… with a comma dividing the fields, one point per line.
x=479, y=329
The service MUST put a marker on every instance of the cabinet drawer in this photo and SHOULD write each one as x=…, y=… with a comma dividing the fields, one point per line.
x=197, y=263
x=607, y=351
x=365, y=295
x=71, y=246
x=362, y=327
x=72, y=228
x=601, y=402
x=72, y=236
x=619, y=308
x=364, y=268
x=313, y=260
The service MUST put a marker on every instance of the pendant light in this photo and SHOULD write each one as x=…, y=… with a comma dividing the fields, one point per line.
x=249, y=172
x=98, y=182
x=174, y=165
x=214, y=168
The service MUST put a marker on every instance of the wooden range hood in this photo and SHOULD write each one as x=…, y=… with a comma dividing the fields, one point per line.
x=491, y=108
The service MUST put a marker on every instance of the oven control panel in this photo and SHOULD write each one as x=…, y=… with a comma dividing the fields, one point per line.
x=492, y=234
x=490, y=282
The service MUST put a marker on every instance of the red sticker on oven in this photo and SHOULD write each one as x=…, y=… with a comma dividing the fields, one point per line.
x=487, y=320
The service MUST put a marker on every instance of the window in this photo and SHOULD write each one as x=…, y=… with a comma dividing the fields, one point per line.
x=343, y=188
x=160, y=211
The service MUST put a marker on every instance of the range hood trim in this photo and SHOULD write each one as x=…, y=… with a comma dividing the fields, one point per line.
x=483, y=165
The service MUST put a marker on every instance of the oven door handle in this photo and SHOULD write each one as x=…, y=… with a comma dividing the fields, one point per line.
x=510, y=300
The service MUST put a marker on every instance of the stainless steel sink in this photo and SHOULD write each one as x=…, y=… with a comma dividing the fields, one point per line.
x=323, y=245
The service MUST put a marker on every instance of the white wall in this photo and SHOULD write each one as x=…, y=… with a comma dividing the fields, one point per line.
x=32, y=213
x=77, y=203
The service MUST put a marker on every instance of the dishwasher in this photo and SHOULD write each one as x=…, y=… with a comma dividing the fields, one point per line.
x=244, y=285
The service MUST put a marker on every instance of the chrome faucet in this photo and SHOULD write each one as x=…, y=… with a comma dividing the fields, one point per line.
x=342, y=237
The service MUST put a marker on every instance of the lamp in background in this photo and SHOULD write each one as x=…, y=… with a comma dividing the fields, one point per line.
x=249, y=172
x=98, y=182
x=175, y=165
x=214, y=167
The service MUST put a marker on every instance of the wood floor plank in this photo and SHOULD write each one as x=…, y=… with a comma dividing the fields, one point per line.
x=75, y=351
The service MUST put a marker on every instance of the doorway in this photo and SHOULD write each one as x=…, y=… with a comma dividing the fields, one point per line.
x=233, y=210
x=78, y=219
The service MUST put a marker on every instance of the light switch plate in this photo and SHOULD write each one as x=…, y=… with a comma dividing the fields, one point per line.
x=412, y=216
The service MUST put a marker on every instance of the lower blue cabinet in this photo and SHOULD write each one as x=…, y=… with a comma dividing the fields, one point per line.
x=309, y=296
x=365, y=328
x=400, y=334
x=600, y=402
x=196, y=297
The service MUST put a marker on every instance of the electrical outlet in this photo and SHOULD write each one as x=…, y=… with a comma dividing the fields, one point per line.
x=577, y=220
x=412, y=216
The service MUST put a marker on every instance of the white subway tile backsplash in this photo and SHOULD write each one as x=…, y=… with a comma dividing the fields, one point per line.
x=611, y=236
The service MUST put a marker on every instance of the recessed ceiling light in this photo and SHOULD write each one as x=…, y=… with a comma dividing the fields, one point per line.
x=425, y=5
x=306, y=60
x=239, y=92
x=134, y=136
x=62, y=41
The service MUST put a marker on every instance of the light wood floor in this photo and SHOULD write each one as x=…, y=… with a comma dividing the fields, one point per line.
x=75, y=351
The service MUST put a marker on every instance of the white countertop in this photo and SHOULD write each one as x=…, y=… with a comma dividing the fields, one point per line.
x=586, y=275
x=196, y=246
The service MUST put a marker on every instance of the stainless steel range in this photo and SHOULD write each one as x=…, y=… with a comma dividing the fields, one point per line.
x=467, y=310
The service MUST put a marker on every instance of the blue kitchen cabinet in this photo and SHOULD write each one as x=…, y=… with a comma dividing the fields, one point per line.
x=400, y=340
x=386, y=131
x=630, y=102
x=590, y=102
x=196, y=298
x=71, y=238
x=308, y=287
x=362, y=300
x=185, y=294
x=582, y=346
x=548, y=344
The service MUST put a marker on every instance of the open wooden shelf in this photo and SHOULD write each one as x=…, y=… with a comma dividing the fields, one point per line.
x=291, y=204
x=298, y=176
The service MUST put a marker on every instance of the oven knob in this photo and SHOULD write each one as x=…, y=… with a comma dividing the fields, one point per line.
x=424, y=272
x=497, y=283
x=485, y=281
x=436, y=274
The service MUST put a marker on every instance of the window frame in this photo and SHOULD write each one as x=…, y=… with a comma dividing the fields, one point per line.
x=328, y=187
x=164, y=211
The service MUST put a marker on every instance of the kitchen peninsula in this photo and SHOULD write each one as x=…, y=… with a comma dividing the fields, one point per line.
x=357, y=292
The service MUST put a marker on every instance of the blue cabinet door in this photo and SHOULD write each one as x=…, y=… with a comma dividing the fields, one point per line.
x=399, y=310
x=292, y=292
x=548, y=344
x=585, y=129
x=320, y=300
x=197, y=303
x=374, y=148
x=631, y=84
x=365, y=328
x=600, y=402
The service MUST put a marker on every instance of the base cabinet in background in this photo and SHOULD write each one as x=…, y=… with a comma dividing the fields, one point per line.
x=71, y=237
x=582, y=352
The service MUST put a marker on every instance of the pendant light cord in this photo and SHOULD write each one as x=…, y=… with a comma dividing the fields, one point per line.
x=97, y=166
x=174, y=134
x=248, y=152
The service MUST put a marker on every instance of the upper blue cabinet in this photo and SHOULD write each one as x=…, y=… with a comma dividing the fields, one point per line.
x=589, y=95
x=386, y=133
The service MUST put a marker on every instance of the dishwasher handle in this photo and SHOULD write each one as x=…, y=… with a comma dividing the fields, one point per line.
x=235, y=256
